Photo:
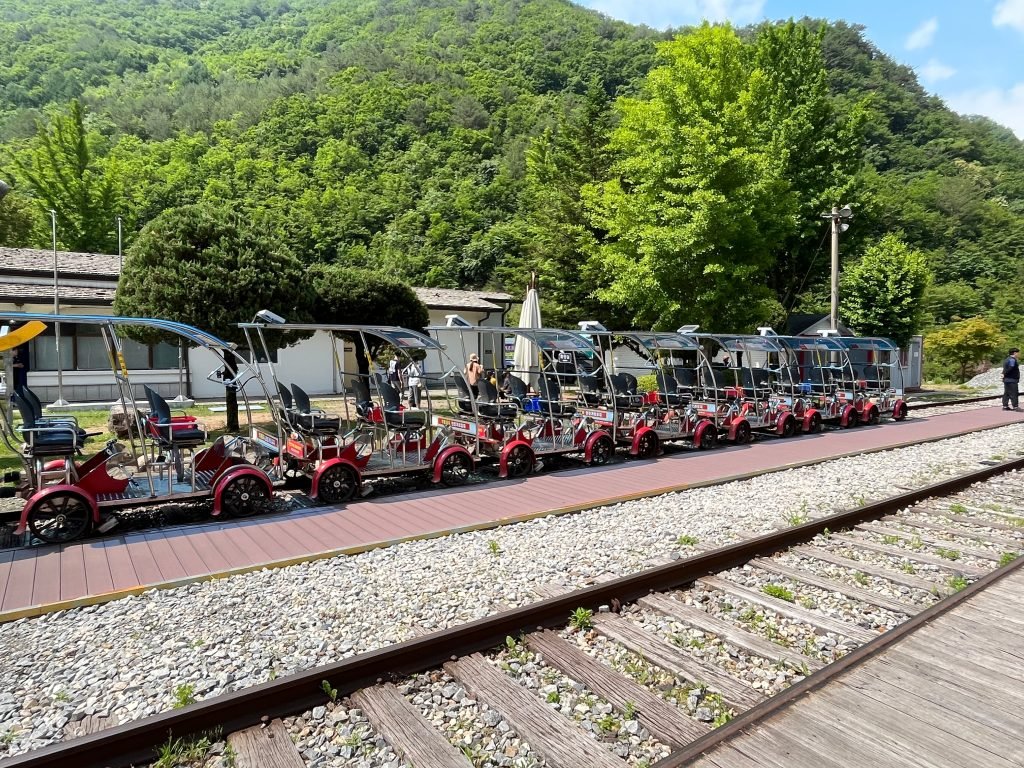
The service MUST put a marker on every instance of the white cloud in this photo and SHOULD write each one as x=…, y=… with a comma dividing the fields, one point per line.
x=1004, y=106
x=935, y=70
x=922, y=36
x=1009, y=13
x=675, y=13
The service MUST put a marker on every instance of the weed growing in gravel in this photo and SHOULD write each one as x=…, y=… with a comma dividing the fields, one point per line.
x=1007, y=557
x=493, y=547
x=332, y=693
x=721, y=718
x=956, y=583
x=178, y=752
x=516, y=650
x=774, y=590
x=1017, y=521
x=554, y=697
x=892, y=541
x=686, y=540
x=958, y=509
x=582, y=618
x=629, y=710
x=355, y=738
x=948, y=554
x=908, y=568
x=608, y=724
x=184, y=695
x=639, y=670
x=806, y=602
x=6, y=738
x=230, y=756
x=61, y=696
x=916, y=543
x=797, y=518
x=525, y=762
x=860, y=578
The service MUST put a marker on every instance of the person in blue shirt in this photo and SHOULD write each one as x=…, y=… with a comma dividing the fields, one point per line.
x=1011, y=379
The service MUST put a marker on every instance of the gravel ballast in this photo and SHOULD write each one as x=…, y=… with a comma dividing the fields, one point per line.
x=137, y=656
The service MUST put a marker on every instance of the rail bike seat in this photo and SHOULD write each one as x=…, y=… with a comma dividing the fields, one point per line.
x=626, y=396
x=395, y=416
x=180, y=432
x=310, y=419
x=365, y=408
x=518, y=391
x=52, y=439
x=721, y=384
x=590, y=390
x=464, y=401
x=287, y=405
x=489, y=406
x=37, y=409
x=550, y=402
x=871, y=375
x=754, y=379
x=669, y=391
x=820, y=380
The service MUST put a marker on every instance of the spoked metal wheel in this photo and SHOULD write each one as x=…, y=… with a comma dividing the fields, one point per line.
x=647, y=446
x=708, y=438
x=455, y=469
x=853, y=418
x=742, y=433
x=60, y=517
x=899, y=413
x=337, y=484
x=814, y=426
x=601, y=451
x=788, y=427
x=243, y=496
x=519, y=461
x=874, y=417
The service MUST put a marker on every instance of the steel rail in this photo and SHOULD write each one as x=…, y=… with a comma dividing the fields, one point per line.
x=136, y=741
x=960, y=401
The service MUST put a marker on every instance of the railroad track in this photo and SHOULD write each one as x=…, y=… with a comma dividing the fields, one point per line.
x=656, y=664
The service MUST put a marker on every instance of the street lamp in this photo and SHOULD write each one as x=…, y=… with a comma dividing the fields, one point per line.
x=838, y=216
x=60, y=402
x=120, y=257
x=4, y=188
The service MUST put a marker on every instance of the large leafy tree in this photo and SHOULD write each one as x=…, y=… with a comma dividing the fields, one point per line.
x=959, y=347
x=882, y=293
x=211, y=268
x=66, y=167
x=354, y=296
x=708, y=183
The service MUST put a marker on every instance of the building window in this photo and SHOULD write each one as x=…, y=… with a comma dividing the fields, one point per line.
x=82, y=348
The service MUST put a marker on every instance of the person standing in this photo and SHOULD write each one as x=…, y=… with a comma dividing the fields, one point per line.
x=413, y=378
x=473, y=373
x=21, y=368
x=1011, y=379
x=395, y=375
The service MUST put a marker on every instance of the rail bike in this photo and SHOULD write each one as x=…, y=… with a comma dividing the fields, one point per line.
x=676, y=411
x=375, y=435
x=167, y=456
x=817, y=375
x=522, y=412
x=878, y=377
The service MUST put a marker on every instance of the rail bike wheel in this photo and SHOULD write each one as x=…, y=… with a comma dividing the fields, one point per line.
x=601, y=451
x=742, y=433
x=899, y=412
x=647, y=446
x=243, y=496
x=788, y=426
x=520, y=461
x=874, y=417
x=337, y=484
x=60, y=517
x=852, y=418
x=455, y=469
x=708, y=438
x=814, y=425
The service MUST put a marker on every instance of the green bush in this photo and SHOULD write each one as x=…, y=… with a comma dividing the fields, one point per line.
x=648, y=383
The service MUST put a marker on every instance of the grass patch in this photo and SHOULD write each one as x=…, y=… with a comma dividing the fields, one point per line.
x=686, y=540
x=581, y=618
x=1007, y=557
x=948, y=554
x=774, y=590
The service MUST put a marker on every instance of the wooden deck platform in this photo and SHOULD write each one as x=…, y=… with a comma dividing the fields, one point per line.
x=43, y=579
x=948, y=695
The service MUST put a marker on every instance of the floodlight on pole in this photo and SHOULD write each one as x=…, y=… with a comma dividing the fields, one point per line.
x=837, y=216
x=60, y=402
x=4, y=188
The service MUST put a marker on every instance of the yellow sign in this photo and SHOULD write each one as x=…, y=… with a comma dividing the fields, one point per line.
x=19, y=336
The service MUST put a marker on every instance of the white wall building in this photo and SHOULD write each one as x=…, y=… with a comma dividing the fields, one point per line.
x=87, y=282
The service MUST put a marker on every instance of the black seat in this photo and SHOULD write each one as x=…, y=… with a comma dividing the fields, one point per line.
x=872, y=376
x=185, y=435
x=364, y=404
x=518, y=391
x=626, y=396
x=754, y=380
x=37, y=409
x=394, y=415
x=550, y=403
x=669, y=390
x=57, y=439
x=820, y=379
x=465, y=398
x=591, y=391
x=488, y=406
x=310, y=419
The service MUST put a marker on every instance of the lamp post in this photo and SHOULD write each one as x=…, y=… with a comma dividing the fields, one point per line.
x=60, y=402
x=8, y=362
x=837, y=215
x=4, y=188
x=120, y=257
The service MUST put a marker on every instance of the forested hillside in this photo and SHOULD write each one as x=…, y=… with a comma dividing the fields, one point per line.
x=464, y=143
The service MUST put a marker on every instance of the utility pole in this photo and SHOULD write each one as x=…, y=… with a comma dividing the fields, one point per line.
x=837, y=216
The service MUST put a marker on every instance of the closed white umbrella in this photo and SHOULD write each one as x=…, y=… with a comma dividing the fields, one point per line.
x=526, y=353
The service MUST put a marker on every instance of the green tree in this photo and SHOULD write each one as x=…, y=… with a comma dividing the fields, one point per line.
x=209, y=267
x=353, y=296
x=18, y=220
x=962, y=345
x=882, y=293
x=65, y=166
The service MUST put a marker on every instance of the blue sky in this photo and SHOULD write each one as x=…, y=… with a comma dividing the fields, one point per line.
x=968, y=52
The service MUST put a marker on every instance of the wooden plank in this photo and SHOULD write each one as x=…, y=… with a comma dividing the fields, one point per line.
x=869, y=569
x=668, y=724
x=776, y=748
x=724, y=756
x=146, y=567
x=728, y=633
x=661, y=653
x=909, y=554
x=934, y=541
x=46, y=588
x=558, y=740
x=831, y=585
x=992, y=614
x=21, y=578
x=1006, y=543
x=267, y=746
x=122, y=571
x=414, y=739
x=89, y=724
x=974, y=680
x=1008, y=662
x=73, y=581
x=821, y=623
x=97, y=570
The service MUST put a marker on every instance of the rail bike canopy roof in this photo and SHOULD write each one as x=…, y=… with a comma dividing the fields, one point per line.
x=547, y=339
x=741, y=343
x=400, y=338
x=868, y=343
x=810, y=343
x=651, y=340
x=187, y=332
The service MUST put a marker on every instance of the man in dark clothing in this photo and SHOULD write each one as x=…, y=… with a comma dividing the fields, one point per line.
x=21, y=368
x=1011, y=379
